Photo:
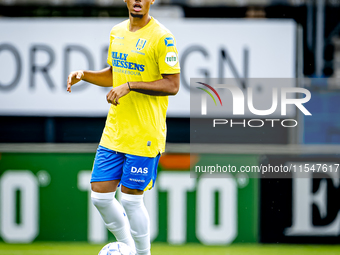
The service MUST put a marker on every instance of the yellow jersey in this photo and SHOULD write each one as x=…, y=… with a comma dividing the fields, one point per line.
x=137, y=125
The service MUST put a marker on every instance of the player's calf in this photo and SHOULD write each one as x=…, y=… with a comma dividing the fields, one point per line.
x=139, y=222
x=113, y=216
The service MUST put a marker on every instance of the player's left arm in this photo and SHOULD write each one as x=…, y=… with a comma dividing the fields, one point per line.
x=168, y=86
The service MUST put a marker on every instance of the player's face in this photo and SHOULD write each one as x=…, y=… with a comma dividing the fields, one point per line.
x=138, y=8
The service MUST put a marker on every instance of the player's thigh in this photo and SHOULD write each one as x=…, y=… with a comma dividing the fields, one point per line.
x=105, y=186
x=107, y=170
x=139, y=173
x=132, y=191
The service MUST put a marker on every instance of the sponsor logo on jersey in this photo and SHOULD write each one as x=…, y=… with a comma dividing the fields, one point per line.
x=169, y=41
x=171, y=58
x=118, y=37
x=139, y=170
x=114, y=41
x=120, y=60
x=140, y=44
x=119, y=55
x=141, y=53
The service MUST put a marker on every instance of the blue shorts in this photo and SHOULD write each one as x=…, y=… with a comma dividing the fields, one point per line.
x=134, y=172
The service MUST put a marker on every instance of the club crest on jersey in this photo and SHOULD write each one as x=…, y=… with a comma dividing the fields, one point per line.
x=140, y=44
x=169, y=41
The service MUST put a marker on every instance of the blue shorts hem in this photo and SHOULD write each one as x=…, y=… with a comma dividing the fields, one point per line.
x=129, y=186
x=102, y=179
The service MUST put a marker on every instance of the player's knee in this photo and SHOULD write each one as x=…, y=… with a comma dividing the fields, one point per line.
x=138, y=215
x=100, y=203
x=101, y=200
x=131, y=202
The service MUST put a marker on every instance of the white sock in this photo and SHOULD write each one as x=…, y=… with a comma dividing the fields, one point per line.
x=139, y=222
x=113, y=216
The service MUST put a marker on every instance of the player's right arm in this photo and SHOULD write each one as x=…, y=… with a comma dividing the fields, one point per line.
x=101, y=78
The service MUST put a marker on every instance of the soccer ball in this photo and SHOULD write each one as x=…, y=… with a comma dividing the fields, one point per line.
x=116, y=248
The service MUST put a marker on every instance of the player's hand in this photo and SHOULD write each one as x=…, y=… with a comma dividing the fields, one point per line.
x=113, y=96
x=73, y=78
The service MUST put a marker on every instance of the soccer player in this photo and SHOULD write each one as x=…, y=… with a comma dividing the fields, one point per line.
x=144, y=70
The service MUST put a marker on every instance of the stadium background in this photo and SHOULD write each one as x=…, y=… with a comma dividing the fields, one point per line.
x=47, y=150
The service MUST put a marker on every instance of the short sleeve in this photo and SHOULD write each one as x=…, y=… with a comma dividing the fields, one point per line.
x=167, y=55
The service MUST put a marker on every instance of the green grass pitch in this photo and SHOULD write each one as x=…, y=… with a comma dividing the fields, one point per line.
x=44, y=248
